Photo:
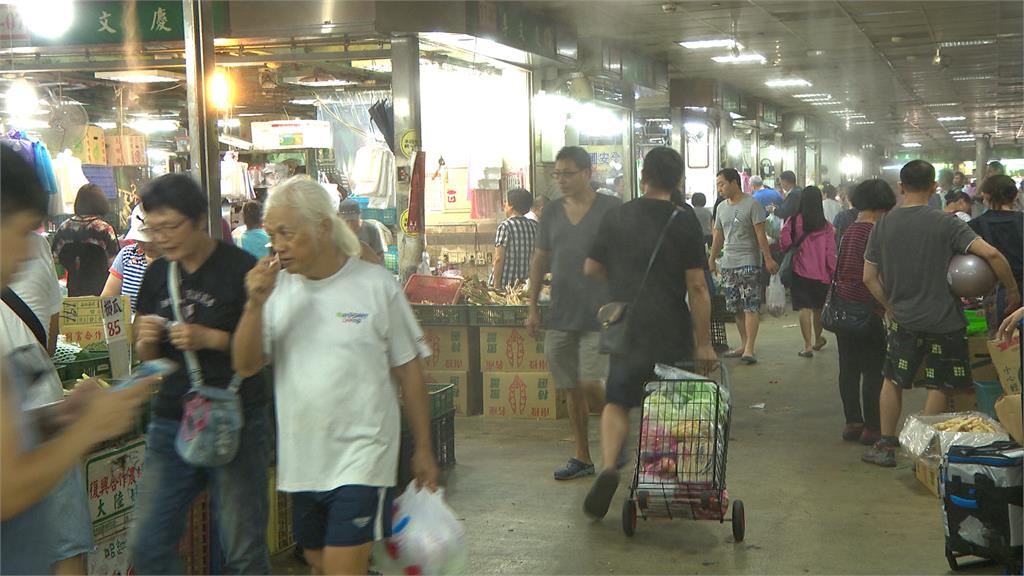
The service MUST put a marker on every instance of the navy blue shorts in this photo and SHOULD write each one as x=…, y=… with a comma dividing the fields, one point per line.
x=345, y=516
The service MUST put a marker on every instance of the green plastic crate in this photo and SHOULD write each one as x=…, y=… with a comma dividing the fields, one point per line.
x=386, y=216
x=440, y=315
x=513, y=316
x=391, y=259
x=977, y=323
x=442, y=399
x=85, y=363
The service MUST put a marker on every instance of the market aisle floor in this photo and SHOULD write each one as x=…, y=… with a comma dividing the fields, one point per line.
x=812, y=506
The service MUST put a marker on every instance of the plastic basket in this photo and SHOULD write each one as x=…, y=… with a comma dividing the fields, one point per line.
x=85, y=363
x=386, y=216
x=508, y=316
x=442, y=399
x=391, y=259
x=423, y=289
x=987, y=392
x=436, y=315
x=976, y=322
x=442, y=435
x=195, y=545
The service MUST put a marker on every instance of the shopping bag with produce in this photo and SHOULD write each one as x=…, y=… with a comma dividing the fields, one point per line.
x=426, y=537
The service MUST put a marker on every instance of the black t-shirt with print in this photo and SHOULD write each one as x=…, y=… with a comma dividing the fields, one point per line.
x=660, y=326
x=1004, y=229
x=213, y=296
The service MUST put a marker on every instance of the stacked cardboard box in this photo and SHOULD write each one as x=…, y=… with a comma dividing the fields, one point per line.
x=450, y=362
x=516, y=380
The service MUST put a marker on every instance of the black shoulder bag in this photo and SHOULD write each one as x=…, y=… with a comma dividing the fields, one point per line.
x=842, y=316
x=614, y=316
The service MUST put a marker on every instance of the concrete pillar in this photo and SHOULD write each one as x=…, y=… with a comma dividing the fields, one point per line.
x=405, y=92
x=982, y=149
x=202, y=119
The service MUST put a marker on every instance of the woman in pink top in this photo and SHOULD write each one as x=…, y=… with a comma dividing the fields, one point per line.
x=813, y=264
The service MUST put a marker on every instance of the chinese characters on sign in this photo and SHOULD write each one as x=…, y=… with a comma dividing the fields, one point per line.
x=112, y=480
x=105, y=23
x=159, y=22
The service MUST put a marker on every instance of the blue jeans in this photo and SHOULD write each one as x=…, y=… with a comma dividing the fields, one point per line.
x=238, y=493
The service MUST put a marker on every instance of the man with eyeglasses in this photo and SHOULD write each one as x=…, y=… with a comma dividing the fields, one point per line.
x=567, y=231
x=212, y=287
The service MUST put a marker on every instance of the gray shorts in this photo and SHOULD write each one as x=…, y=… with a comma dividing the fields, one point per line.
x=574, y=357
x=71, y=530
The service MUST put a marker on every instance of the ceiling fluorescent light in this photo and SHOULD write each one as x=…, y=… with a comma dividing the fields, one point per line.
x=827, y=103
x=739, y=58
x=152, y=126
x=864, y=123
x=320, y=80
x=964, y=43
x=718, y=43
x=141, y=76
x=972, y=77
x=826, y=96
x=106, y=125
x=965, y=139
x=735, y=116
x=911, y=145
x=787, y=83
x=951, y=118
x=957, y=132
x=942, y=105
x=229, y=123
x=303, y=101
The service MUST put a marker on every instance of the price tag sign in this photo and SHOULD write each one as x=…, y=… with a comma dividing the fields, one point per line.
x=113, y=319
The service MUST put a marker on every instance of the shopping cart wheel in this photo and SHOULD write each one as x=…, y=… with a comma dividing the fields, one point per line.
x=643, y=499
x=629, y=517
x=951, y=558
x=739, y=521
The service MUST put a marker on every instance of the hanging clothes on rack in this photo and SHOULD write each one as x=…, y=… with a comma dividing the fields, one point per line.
x=373, y=175
x=67, y=170
x=235, y=182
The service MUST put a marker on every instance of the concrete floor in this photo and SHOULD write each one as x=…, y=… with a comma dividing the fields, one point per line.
x=812, y=507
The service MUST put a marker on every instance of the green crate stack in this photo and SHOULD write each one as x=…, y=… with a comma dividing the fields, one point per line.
x=391, y=259
x=492, y=315
x=442, y=399
x=85, y=363
x=440, y=315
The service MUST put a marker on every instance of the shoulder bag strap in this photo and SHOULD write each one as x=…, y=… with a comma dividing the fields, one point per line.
x=195, y=371
x=19, y=307
x=654, y=254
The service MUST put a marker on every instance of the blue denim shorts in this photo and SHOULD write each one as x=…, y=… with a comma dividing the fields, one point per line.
x=345, y=516
x=71, y=527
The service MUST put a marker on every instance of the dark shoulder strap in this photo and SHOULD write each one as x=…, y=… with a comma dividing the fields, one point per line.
x=15, y=303
x=657, y=248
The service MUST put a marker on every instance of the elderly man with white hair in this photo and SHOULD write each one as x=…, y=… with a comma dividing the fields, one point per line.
x=339, y=333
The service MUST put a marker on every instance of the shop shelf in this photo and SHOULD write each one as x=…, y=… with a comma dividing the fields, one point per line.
x=440, y=315
x=386, y=216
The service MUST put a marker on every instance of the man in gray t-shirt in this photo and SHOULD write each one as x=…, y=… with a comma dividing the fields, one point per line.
x=571, y=341
x=740, y=240
x=905, y=268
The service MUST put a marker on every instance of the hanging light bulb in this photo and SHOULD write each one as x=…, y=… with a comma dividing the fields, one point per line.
x=22, y=99
x=220, y=90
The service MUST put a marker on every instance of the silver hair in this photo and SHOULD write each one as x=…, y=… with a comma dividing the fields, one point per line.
x=313, y=205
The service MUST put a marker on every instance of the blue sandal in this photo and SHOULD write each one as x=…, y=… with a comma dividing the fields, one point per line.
x=574, y=469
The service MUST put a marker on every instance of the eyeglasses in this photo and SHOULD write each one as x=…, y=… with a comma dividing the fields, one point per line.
x=564, y=174
x=163, y=231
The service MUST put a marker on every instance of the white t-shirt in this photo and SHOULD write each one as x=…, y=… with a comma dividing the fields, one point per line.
x=333, y=343
x=36, y=283
x=831, y=207
x=15, y=334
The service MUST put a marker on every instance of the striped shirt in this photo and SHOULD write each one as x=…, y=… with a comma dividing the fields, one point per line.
x=129, y=266
x=850, y=268
x=517, y=235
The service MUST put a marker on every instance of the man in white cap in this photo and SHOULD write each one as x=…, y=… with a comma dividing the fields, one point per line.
x=129, y=266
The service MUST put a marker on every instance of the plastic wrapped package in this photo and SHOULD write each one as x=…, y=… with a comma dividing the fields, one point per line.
x=776, y=296
x=921, y=440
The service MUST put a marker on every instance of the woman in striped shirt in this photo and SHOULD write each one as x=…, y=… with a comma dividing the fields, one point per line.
x=129, y=266
x=861, y=356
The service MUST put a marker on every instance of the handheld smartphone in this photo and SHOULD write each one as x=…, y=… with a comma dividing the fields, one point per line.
x=158, y=367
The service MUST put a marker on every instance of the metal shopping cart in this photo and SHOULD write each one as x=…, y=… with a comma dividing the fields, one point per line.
x=682, y=452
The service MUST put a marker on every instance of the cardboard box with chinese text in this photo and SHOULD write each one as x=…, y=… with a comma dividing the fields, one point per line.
x=927, y=472
x=81, y=322
x=529, y=395
x=511, y=350
x=1006, y=360
x=449, y=348
x=1009, y=411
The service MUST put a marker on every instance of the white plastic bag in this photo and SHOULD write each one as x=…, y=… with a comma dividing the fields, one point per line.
x=776, y=296
x=426, y=537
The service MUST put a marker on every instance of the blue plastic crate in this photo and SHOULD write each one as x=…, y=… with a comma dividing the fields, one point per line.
x=386, y=216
